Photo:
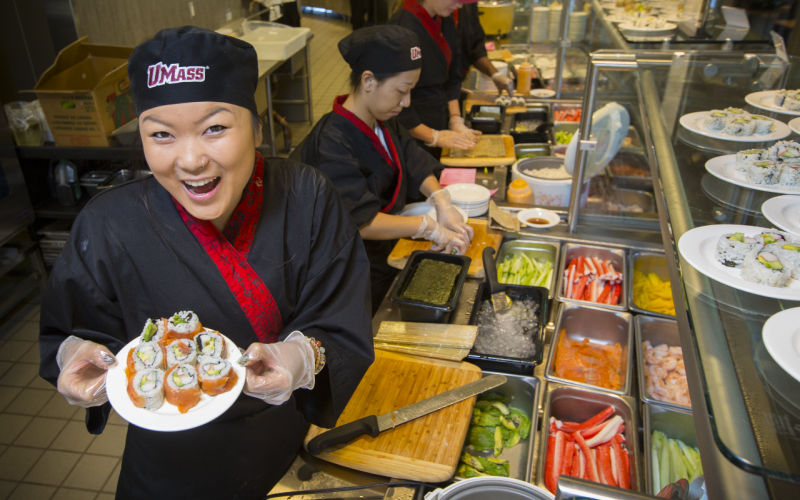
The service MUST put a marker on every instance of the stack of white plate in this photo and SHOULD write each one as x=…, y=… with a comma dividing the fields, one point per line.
x=577, y=26
x=471, y=198
x=538, y=29
x=554, y=22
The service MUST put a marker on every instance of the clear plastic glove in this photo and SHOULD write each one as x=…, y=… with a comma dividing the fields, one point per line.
x=448, y=216
x=84, y=366
x=457, y=125
x=502, y=82
x=444, y=240
x=452, y=140
x=275, y=371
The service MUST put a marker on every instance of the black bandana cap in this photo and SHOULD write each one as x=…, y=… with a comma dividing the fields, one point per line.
x=384, y=50
x=191, y=64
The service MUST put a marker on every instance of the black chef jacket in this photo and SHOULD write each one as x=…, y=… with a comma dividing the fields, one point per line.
x=130, y=257
x=473, y=38
x=437, y=84
x=366, y=183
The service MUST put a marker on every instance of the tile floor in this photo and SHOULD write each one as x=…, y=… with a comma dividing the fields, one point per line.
x=45, y=451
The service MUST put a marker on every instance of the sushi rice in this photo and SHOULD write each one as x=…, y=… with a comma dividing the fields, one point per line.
x=153, y=330
x=184, y=322
x=146, y=355
x=789, y=175
x=731, y=252
x=146, y=389
x=763, y=172
x=740, y=126
x=210, y=343
x=757, y=271
x=715, y=120
x=789, y=255
x=181, y=351
x=792, y=102
x=763, y=124
x=748, y=156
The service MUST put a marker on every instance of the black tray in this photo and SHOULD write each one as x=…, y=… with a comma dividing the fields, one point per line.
x=508, y=364
x=487, y=126
x=423, y=312
x=527, y=137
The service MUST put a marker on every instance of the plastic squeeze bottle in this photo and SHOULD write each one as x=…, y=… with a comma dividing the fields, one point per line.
x=524, y=79
x=520, y=192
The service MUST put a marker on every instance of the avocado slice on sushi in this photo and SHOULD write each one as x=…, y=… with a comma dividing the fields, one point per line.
x=794, y=248
x=737, y=237
x=770, y=261
x=768, y=238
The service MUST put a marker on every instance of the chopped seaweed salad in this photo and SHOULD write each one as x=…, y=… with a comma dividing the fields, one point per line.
x=432, y=282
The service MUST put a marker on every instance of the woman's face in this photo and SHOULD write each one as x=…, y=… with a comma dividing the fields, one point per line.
x=388, y=98
x=443, y=8
x=202, y=153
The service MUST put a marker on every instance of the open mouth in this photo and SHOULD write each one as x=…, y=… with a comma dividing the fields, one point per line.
x=202, y=187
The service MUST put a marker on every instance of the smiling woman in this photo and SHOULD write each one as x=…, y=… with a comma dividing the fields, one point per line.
x=262, y=249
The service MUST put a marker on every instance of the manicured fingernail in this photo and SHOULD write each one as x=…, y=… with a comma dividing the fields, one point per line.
x=109, y=359
x=243, y=360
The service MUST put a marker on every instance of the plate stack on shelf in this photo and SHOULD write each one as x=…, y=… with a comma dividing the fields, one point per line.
x=554, y=23
x=55, y=236
x=471, y=198
x=538, y=29
x=577, y=26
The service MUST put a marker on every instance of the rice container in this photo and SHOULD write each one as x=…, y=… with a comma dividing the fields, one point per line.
x=548, y=192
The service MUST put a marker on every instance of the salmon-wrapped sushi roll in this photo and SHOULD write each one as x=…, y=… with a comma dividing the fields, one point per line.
x=154, y=330
x=216, y=376
x=182, y=325
x=210, y=343
x=146, y=389
x=181, y=351
x=182, y=388
x=143, y=356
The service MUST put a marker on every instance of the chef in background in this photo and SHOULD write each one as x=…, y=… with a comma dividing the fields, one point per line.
x=373, y=162
x=473, y=49
x=434, y=117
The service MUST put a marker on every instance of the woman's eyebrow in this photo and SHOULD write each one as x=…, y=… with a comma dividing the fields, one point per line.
x=152, y=119
x=218, y=110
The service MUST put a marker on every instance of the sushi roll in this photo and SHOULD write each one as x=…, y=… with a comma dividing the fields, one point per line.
x=732, y=248
x=780, y=96
x=182, y=388
x=737, y=112
x=154, y=330
x=763, y=172
x=146, y=389
x=182, y=325
x=181, y=351
x=216, y=375
x=788, y=254
x=745, y=158
x=765, y=268
x=773, y=236
x=739, y=126
x=210, y=343
x=790, y=175
x=144, y=356
x=792, y=102
x=715, y=120
x=763, y=124
x=784, y=151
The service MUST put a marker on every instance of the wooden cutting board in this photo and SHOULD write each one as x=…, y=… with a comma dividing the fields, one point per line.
x=509, y=157
x=424, y=449
x=484, y=236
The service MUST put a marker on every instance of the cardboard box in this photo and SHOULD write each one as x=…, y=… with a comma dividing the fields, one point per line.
x=86, y=93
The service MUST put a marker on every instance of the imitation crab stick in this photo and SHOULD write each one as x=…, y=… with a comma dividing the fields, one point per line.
x=571, y=427
x=592, y=280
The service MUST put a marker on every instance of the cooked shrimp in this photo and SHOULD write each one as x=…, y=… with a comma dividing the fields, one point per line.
x=676, y=352
x=669, y=363
x=681, y=368
x=657, y=371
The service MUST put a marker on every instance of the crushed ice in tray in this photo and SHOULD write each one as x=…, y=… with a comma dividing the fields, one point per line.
x=513, y=335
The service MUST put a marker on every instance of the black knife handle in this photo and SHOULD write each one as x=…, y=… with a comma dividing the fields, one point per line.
x=344, y=433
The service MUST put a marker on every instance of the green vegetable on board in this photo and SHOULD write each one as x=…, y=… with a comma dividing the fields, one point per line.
x=520, y=269
x=498, y=441
x=480, y=438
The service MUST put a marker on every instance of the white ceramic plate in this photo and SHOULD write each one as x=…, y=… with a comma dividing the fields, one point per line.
x=468, y=194
x=168, y=418
x=667, y=28
x=784, y=212
x=794, y=124
x=694, y=122
x=698, y=247
x=724, y=167
x=524, y=215
x=543, y=93
x=782, y=339
x=422, y=208
x=765, y=100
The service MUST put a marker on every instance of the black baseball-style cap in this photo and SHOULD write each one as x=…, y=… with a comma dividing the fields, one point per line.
x=384, y=50
x=191, y=64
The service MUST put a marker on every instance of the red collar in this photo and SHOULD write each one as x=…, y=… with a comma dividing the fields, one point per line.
x=229, y=254
x=434, y=27
x=393, y=161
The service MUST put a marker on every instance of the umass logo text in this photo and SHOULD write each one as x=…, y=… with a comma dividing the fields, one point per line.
x=160, y=73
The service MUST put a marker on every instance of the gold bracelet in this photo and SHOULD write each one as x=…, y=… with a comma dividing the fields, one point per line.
x=319, y=355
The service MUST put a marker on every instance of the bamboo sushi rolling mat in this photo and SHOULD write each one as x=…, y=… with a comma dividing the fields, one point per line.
x=486, y=144
x=425, y=449
x=484, y=236
x=510, y=110
x=430, y=340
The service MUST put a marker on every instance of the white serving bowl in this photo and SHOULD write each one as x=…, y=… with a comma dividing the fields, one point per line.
x=547, y=192
x=542, y=213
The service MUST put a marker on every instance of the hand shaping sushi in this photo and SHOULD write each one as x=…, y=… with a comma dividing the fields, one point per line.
x=765, y=268
x=182, y=388
x=146, y=389
x=216, y=376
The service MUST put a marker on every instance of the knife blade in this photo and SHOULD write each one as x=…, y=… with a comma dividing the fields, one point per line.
x=374, y=425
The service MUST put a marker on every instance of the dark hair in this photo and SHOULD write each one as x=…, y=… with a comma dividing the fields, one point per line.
x=355, y=80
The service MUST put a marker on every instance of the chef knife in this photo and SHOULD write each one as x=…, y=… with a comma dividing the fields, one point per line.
x=374, y=425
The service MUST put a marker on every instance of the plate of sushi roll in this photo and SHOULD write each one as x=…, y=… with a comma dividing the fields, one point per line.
x=176, y=375
x=758, y=260
x=782, y=340
x=783, y=101
x=735, y=124
x=775, y=169
x=784, y=212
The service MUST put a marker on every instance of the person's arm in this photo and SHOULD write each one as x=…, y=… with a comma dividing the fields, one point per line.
x=390, y=227
x=429, y=186
x=442, y=138
x=485, y=66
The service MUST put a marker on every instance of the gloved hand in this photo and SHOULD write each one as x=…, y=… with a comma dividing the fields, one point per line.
x=83, y=365
x=443, y=239
x=502, y=82
x=452, y=140
x=275, y=371
x=448, y=216
x=457, y=125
